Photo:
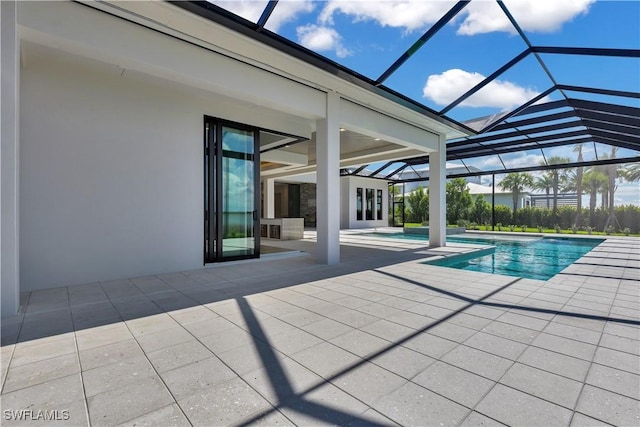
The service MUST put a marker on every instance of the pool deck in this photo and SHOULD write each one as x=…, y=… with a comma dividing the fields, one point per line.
x=380, y=339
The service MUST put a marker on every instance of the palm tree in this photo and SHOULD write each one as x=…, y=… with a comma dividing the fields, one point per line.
x=556, y=175
x=631, y=172
x=604, y=189
x=569, y=183
x=516, y=182
x=544, y=182
x=577, y=222
x=612, y=172
x=593, y=181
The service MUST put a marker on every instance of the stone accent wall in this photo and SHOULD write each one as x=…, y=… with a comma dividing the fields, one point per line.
x=308, y=204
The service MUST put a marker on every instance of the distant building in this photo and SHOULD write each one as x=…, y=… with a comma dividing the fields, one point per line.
x=421, y=176
x=502, y=197
x=544, y=201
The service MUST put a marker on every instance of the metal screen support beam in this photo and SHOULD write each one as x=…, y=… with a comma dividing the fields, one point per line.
x=486, y=81
x=600, y=91
x=400, y=169
x=524, y=37
x=266, y=13
x=422, y=40
x=377, y=171
x=357, y=171
x=404, y=188
x=588, y=51
x=517, y=110
x=493, y=202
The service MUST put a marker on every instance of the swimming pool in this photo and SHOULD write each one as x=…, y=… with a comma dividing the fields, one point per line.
x=533, y=258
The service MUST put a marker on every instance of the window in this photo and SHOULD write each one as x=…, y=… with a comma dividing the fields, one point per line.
x=369, y=204
x=359, y=204
x=379, y=205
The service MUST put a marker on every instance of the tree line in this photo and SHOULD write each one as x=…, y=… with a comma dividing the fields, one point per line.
x=598, y=182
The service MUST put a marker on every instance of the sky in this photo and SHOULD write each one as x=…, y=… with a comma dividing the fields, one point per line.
x=368, y=36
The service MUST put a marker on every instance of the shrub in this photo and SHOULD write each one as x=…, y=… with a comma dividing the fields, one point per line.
x=565, y=216
x=481, y=210
x=463, y=223
x=629, y=217
x=503, y=214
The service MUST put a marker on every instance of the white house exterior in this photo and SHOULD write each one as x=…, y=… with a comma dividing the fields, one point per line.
x=364, y=202
x=415, y=174
x=501, y=197
x=107, y=113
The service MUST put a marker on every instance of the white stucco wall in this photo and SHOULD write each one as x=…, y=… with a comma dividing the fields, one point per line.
x=348, y=186
x=505, y=199
x=111, y=171
x=9, y=158
x=345, y=203
x=111, y=117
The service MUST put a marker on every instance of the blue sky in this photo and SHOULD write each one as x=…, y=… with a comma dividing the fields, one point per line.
x=368, y=36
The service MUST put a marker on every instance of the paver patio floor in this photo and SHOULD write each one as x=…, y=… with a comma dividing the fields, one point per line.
x=380, y=339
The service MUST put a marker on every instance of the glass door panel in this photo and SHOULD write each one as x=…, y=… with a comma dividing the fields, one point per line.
x=238, y=192
x=210, y=199
x=231, y=178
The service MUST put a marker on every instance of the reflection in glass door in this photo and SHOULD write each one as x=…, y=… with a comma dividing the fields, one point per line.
x=231, y=177
x=238, y=198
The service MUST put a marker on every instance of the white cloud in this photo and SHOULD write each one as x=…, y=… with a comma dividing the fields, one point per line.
x=447, y=87
x=248, y=9
x=534, y=16
x=627, y=193
x=487, y=163
x=320, y=38
x=521, y=160
x=480, y=16
x=409, y=15
x=517, y=160
x=286, y=10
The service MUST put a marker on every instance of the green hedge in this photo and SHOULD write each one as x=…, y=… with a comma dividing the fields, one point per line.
x=628, y=217
x=503, y=214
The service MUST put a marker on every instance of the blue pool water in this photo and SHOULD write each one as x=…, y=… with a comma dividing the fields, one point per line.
x=533, y=258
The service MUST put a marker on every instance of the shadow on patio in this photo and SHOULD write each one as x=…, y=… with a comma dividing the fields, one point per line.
x=379, y=339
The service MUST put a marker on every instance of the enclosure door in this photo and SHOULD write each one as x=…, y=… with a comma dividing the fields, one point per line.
x=231, y=181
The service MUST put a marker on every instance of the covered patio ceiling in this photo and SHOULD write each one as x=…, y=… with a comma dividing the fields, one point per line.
x=574, y=90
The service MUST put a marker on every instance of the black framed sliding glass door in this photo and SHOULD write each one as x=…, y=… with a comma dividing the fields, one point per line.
x=231, y=191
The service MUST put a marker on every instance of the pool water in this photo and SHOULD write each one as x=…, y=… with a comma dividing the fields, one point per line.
x=533, y=258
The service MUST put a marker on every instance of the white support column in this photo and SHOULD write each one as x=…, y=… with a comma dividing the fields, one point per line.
x=9, y=161
x=438, y=195
x=328, y=182
x=269, y=198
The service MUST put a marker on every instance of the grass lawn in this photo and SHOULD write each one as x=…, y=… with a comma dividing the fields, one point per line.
x=531, y=230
